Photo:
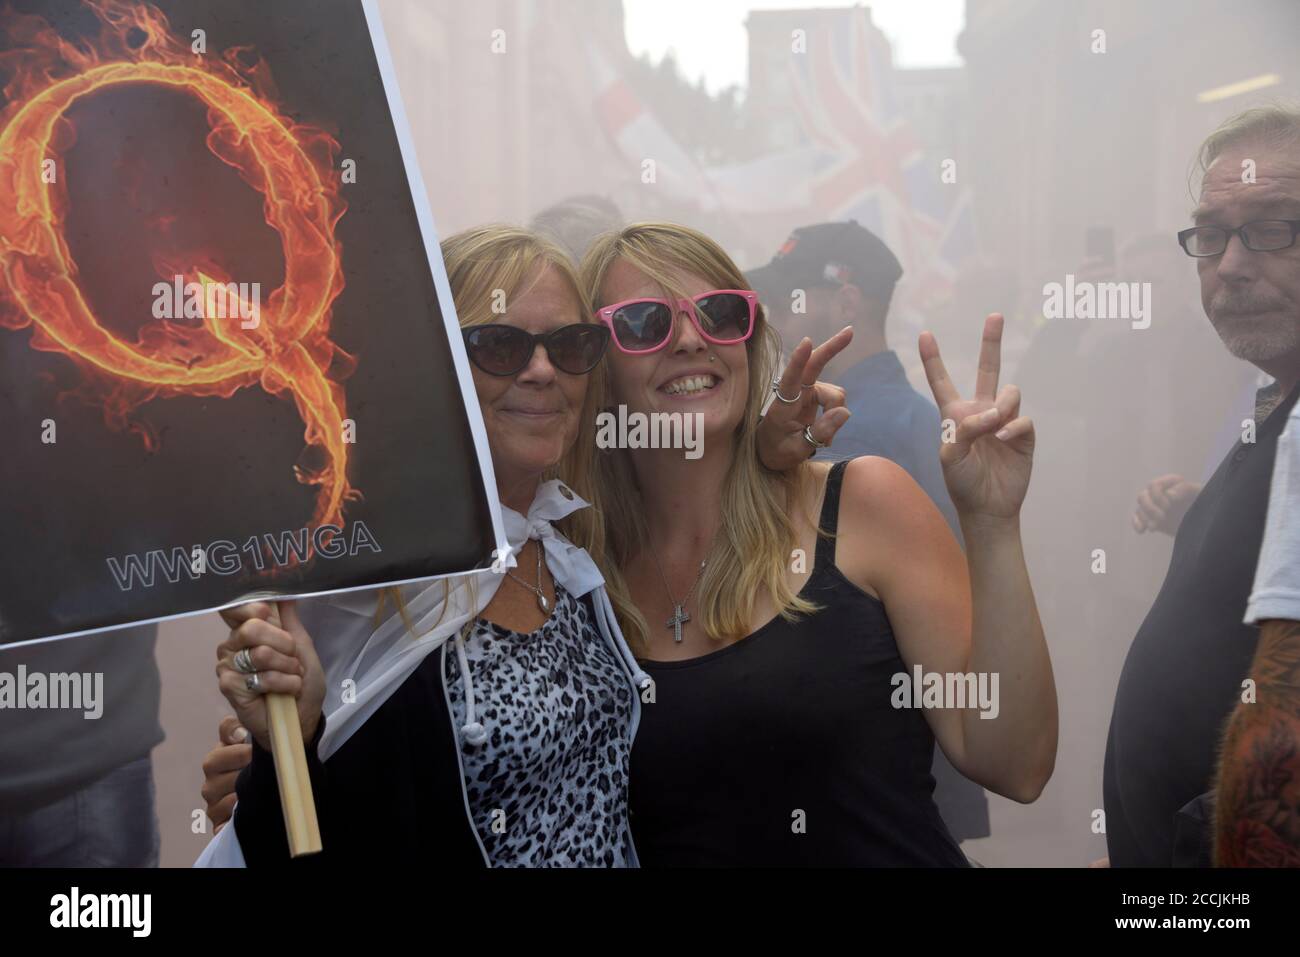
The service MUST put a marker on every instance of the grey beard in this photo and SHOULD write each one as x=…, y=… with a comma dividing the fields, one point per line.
x=1261, y=345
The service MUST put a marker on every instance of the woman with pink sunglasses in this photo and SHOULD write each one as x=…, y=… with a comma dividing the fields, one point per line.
x=794, y=706
x=501, y=705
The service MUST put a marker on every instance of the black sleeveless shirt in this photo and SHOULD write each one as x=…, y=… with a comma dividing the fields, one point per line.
x=783, y=750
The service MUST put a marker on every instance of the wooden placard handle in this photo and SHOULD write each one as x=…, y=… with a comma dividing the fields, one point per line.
x=290, y=753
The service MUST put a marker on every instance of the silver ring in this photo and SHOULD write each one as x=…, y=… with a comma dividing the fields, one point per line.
x=808, y=436
x=776, y=390
x=244, y=662
x=254, y=683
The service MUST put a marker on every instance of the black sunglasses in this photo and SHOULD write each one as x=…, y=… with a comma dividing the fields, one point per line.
x=506, y=350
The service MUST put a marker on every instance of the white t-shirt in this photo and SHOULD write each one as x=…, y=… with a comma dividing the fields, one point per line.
x=1277, y=576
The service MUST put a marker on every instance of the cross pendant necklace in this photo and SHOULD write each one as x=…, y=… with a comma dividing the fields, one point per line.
x=678, y=619
x=679, y=616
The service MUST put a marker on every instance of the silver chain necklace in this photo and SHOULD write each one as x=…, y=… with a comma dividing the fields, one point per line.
x=679, y=617
x=542, y=603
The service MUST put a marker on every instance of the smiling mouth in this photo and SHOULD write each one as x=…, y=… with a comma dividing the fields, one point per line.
x=690, y=385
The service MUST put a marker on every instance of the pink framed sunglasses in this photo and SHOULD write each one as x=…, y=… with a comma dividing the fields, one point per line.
x=641, y=326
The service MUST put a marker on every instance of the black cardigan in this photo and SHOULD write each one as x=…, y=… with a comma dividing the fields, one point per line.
x=393, y=792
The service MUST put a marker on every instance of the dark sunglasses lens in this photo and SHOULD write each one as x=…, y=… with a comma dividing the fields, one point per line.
x=725, y=316
x=642, y=325
x=577, y=348
x=498, y=350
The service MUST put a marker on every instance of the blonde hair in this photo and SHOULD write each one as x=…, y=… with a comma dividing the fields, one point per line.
x=757, y=535
x=484, y=264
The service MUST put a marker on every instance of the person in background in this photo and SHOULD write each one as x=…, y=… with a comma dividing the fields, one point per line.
x=839, y=274
x=76, y=789
x=1179, y=370
x=1185, y=668
x=1257, y=817
x=574, y=223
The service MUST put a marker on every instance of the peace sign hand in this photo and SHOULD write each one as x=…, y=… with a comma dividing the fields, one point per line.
x=781, y=441
x=986, y=464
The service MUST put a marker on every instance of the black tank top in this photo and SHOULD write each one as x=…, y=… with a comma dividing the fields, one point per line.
x=783, y=749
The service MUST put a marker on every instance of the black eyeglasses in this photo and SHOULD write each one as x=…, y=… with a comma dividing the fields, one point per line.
x=507, y=350
x=1261, y=236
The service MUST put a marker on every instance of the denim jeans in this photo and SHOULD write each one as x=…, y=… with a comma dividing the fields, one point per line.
x=110, y=823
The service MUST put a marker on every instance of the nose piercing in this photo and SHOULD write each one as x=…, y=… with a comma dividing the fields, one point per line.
x=712, y=357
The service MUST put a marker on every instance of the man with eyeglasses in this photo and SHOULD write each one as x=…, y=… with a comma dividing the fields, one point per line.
x=1186, y=668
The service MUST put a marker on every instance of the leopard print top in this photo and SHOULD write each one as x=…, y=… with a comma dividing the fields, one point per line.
x=549, y=786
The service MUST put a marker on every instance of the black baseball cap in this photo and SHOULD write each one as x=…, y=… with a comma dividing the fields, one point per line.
x=828, y=254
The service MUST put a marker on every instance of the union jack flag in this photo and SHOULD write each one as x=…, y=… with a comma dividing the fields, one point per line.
x=872, y=167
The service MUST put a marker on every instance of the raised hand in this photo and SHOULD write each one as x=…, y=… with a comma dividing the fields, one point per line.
x=1163, y=503
x=781, y=441
x=986, y=466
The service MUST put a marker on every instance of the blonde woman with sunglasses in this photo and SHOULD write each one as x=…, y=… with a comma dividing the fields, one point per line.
x=485, y=720
x=784, y=727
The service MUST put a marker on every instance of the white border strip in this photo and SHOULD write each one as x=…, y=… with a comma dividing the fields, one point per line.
x=420, y=198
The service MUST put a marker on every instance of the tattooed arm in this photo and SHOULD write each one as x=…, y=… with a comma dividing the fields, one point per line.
x=1257, y=821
